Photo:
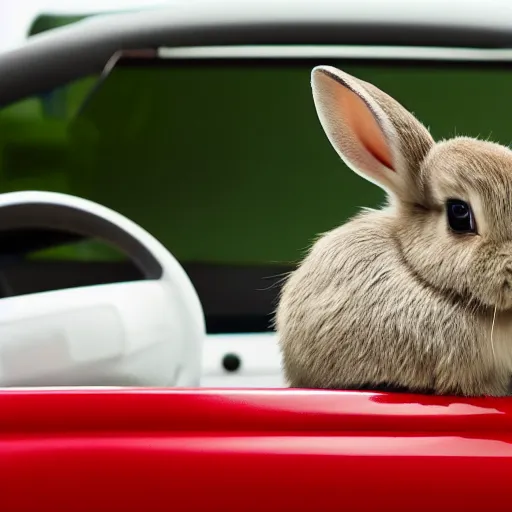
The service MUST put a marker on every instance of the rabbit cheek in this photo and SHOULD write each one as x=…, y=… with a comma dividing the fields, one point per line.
x=501, y=350
x=504, y=299
x=490, y=276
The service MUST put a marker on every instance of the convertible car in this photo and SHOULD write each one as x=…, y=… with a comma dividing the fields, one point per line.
x=196, y=121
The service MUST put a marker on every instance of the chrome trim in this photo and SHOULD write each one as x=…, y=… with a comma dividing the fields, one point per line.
x=338, y=51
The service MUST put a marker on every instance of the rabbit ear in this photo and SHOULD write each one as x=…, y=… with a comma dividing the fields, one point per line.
x=373, y=134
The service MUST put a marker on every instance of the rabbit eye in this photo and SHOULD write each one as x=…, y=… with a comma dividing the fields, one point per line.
x=460, y=216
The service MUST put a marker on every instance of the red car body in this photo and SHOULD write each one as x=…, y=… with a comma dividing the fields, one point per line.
x=176, y=450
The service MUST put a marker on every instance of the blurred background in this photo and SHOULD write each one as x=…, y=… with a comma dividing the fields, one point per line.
x=16, y=18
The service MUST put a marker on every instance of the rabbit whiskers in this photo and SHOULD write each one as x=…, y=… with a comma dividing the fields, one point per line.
x=492, y=332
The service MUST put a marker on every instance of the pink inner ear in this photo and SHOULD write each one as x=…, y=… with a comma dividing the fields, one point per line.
x=365, y=127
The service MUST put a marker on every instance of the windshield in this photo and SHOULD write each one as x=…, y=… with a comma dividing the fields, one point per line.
x=225, y=162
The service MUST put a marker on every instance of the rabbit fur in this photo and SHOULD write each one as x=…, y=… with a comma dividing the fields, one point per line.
x=394, y=298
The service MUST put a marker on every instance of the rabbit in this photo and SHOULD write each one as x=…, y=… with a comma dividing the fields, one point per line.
x=415, y=296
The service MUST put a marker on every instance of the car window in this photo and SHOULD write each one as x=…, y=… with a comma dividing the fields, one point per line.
x=225, y=161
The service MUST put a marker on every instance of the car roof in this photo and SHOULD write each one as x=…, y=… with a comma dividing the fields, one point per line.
x=61, y=55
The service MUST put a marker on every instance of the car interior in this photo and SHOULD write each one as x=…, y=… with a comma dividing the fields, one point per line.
x=222, y=159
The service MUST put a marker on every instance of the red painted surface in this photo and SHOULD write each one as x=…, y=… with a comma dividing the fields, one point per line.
x=252, y=450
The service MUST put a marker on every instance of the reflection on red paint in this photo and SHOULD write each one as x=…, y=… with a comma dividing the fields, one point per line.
x=251, y=450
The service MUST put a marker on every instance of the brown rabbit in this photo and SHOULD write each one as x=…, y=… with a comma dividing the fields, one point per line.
x=415, y=296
